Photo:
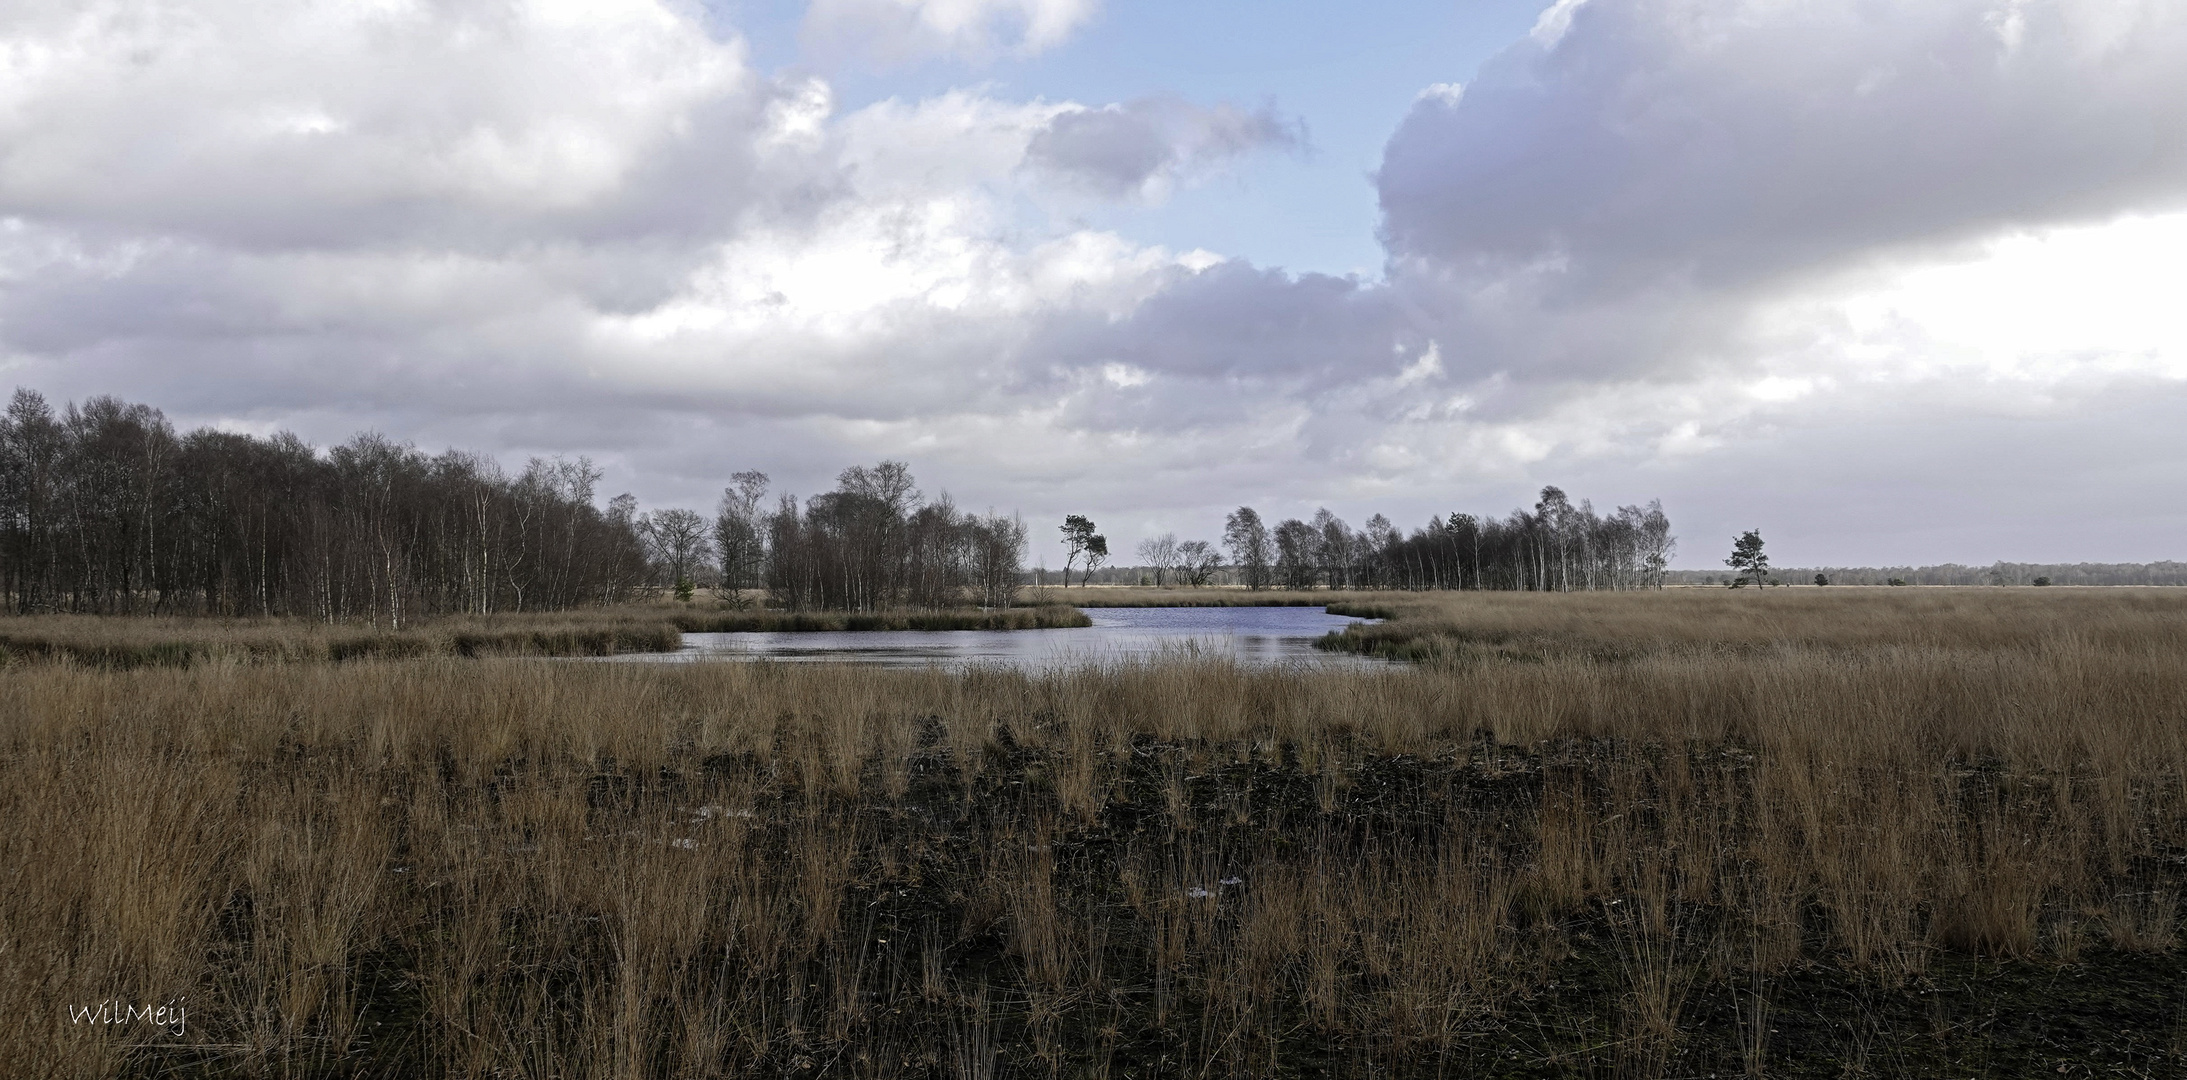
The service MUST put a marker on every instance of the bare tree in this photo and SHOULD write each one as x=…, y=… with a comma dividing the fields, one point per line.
x=1247, y=540
x=1159, y=552
x=677, y=541
x=1336, y=548
x=1376, y=549
x=1198, y=560
x=938, y=553
x=1296, y=543
x=998, y=558
x=739, y=541
x=1657, y=545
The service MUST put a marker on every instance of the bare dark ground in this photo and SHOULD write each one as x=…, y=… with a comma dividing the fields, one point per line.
x=931, y=976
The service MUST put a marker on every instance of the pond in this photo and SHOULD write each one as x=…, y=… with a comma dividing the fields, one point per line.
x=1257, y=636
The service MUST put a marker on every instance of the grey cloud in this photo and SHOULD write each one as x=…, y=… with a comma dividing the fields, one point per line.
x=1726, y=145
x=1237, y=335
x=1120, y=151
x=1905, y=477
x=1237, y=321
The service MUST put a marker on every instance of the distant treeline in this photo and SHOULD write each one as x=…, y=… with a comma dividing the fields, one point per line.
x=2002, y=573
x=1556, y=546
x=104, y=507
x=871, y=544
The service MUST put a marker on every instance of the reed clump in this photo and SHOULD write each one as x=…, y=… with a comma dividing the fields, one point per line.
x=1820, y=850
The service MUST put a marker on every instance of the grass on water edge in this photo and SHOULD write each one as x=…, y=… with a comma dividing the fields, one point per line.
x=1648, y=835
x=1127, y=596
x=1041, y=617
x=1414, y=627
x=121, y=642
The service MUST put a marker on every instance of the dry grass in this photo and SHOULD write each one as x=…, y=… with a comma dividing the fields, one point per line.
x=1529, y=625
x=119, y=642
x=1813, y=840
x=128, y=642
x=1037, y=617
x=1106, y=596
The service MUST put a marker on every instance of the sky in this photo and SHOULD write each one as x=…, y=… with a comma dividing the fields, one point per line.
x=1894, y=283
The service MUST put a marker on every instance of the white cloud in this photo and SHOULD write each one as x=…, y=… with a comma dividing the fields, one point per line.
x=301, y=125
x=593, y=214
x=1555, y=19
x=2068, y=304
x=898, y=31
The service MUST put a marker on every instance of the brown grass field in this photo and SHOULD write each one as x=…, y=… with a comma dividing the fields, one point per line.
x=1692, y=833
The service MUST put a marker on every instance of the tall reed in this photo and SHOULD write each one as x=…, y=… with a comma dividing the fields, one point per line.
x=1739, y=841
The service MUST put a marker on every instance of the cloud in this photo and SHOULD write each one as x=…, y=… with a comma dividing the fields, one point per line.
x=685, y=247
x=1732, y=144
x=900, y=31
x=1656, y=236
x=329, y=124
x=1143, y=149
x=1659, y=232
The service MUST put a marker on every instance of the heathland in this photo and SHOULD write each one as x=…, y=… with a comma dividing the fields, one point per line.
x=1811, y=832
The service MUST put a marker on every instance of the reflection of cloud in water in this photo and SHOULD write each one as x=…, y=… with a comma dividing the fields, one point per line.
x=1269, y=636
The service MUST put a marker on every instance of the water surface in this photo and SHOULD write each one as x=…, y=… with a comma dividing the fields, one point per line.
x=1258, y=636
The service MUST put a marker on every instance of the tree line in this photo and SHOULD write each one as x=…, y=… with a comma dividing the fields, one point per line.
x=104, y=507
x=2000, y=573
x=1556, y=546
x=873, y=543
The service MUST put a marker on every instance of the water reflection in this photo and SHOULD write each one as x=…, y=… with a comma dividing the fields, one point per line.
x=1258, y=636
